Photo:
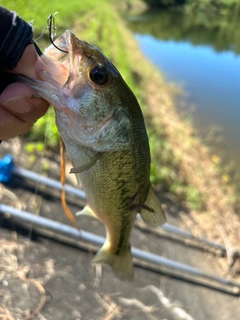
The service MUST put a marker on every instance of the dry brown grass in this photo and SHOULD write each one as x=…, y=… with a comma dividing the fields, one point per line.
x=218, y=221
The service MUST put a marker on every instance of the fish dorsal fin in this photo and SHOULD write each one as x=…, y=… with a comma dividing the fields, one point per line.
x=86, y=211
x=152, y=212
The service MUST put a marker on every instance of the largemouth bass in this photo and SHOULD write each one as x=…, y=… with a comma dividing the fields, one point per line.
x=102, y=126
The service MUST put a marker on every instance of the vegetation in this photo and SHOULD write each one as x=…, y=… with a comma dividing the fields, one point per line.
x=223, y=7
x=215, y=6
x=220, y=32
x=163, y=3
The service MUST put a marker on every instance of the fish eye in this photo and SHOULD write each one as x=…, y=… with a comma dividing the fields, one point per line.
x=99, y=75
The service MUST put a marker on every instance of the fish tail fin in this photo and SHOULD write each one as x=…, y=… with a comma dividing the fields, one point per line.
x=152, y=212
x=120, y=261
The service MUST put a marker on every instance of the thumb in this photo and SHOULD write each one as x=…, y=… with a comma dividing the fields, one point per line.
x=23, y=102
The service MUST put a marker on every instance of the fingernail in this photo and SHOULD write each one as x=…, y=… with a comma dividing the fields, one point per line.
x=19, y=104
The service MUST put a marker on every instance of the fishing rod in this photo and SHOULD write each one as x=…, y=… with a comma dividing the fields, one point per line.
x=7, y=170
x=70, y=235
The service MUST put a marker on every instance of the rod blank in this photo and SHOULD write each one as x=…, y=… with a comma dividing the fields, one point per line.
x=48, y=182
x=169, y=266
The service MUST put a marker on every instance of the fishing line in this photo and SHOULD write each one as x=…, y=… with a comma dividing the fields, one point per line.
x=52, y=33
x=42, y=158
x=63, y=193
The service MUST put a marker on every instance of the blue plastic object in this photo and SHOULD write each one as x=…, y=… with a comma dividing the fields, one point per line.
x=6, y=165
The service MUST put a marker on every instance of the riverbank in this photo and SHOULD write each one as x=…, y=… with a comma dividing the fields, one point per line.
x=182, y=166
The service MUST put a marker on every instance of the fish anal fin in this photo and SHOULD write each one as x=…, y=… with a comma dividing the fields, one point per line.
x=151, y=211
x=120, y=261
x=86, y=211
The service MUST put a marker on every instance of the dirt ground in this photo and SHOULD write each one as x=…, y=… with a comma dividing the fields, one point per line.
x=43, y=278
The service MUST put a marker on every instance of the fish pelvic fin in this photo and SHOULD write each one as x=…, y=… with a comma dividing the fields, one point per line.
x=151, y=211
x=120, y=261
x=86, y=211
x=88, y=165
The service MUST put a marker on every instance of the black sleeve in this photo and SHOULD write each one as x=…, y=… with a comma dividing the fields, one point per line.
x=15, y=36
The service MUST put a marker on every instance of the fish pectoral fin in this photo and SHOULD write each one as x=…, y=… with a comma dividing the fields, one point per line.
x=86, y=211
x=121, y=261
x=151, y=211
x=88, y=165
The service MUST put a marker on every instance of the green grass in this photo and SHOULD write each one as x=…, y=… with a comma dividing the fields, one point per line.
x=38, y=11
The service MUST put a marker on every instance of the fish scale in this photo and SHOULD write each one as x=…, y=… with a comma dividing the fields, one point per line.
x=102, y=126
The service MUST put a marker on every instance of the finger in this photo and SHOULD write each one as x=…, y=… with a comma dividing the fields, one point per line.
x=40, y=66
x=23, y=102
x=14, y=90
x=26, y=65
x=20, y=107
x=11, y=126
x=30, y=64
x=28, y=109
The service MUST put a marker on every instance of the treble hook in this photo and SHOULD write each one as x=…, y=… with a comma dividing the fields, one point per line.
x=52, y=29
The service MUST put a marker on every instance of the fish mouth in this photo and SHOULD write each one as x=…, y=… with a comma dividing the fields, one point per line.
x=60, y=62
x=61, y=75
x=63, y=62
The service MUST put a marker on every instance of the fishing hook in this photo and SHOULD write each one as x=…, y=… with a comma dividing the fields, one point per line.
x=52, y=29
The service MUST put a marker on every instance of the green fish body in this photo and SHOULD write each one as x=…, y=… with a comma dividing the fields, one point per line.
x=102, y=126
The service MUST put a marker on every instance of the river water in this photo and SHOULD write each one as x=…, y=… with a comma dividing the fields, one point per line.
x=202, y=54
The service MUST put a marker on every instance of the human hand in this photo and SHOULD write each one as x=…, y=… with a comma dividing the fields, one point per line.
x=20, y=106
